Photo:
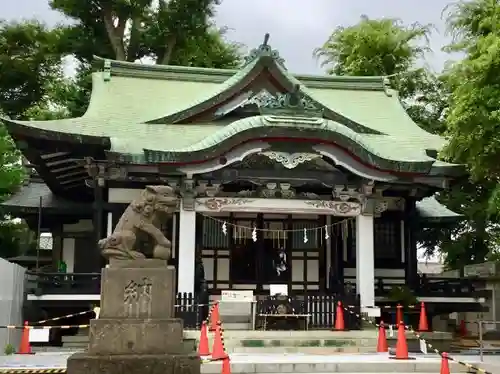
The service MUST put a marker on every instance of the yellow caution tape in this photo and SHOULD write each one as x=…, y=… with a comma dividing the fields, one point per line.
x=12, y=327
x=430, y=346
x=32, y=371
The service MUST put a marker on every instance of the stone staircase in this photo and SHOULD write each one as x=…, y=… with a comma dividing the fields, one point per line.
x=320, y=342
x=236, y=316
x=353, y=364
x=77, y=342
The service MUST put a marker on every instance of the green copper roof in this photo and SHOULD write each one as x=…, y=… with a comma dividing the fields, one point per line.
x=28, y=198
x=429, y=209
x=139, y=110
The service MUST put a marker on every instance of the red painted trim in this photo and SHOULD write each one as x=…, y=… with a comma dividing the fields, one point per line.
x=300, y=140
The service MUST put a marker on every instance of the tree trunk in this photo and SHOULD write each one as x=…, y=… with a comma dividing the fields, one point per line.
x=135, y=34
x=169, y=50
x=115, y=34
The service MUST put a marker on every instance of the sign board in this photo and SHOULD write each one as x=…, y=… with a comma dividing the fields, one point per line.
x=278, y=289
x=423, y=346
x=39, y=335
x=486, y=269
x=238, y=296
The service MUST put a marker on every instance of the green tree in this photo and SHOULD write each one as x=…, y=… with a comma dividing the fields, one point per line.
x=472, y=123
x=374, y=47
x=389, y=48
x=15, y=238
x=28, y=63
x=473, y=120
x=175, y=32
x=28, y=60
x=29, y=66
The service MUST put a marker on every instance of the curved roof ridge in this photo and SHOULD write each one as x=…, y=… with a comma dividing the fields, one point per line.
x=324, y=129
x=152, y=71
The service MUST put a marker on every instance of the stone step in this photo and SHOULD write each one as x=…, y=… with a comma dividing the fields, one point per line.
x=300, y=343
x=237, y=326
x=79, y=346
x=272, y=335
x=336, y=364
x=300, y=350
x=49, y=349
x=75, y=338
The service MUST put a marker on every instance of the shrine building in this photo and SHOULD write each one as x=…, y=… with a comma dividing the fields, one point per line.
x=318, y=183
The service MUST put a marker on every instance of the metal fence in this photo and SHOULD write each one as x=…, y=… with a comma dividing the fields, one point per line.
x=11, y=301
x=190, y=310
x=320, y=308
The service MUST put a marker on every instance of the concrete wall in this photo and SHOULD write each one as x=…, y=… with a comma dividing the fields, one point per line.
x=11, y=302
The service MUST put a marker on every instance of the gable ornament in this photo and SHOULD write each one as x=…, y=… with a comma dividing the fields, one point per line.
x=290, y=160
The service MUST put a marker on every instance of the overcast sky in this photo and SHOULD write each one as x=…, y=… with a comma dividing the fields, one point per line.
x=296, y=27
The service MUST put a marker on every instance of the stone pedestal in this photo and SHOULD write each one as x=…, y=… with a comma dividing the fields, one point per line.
x=136, y=331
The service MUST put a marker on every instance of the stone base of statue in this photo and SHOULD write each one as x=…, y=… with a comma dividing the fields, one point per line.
x=136, y=331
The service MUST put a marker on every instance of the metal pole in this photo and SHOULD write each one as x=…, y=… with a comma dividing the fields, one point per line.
x=39, y=232
x=254, y=313
x=481, y=340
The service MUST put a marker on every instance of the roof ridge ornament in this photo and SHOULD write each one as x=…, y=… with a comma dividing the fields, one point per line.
x=264, y=50
x=107, y=70
x=295, y=103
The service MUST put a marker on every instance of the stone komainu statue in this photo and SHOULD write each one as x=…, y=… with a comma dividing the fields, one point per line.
x=144, y=214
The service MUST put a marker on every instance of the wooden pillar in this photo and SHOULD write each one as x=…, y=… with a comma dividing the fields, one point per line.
x=288, y=251
x=57, y=244
x=259, y=245
x=99, y=224
x=336, y=270
x=322, y=273
x=411, y=258
x=230, y=232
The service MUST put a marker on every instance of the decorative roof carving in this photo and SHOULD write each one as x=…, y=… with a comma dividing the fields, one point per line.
x=338, y=208
x=275, y=190
x=217, y=204
x=290, y=160
x=294, y=103
x=264, y=50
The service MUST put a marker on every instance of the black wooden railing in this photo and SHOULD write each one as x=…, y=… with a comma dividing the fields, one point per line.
x=320, y=309
x=193, y=312
x=429, y=286
x=89, y=283
x=63, y=283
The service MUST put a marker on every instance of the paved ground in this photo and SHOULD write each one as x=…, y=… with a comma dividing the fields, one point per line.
x=58, y=360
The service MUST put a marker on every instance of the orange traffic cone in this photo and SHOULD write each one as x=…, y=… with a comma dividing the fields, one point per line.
x=445, y=366
x=203, y=349
x=218, y=351
x=226, y=366
x=214, y=316
x=399, y=314
x=24, y=347
x=402, y=345
x=422, y=323
x=382, y=339
x=339, y=318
